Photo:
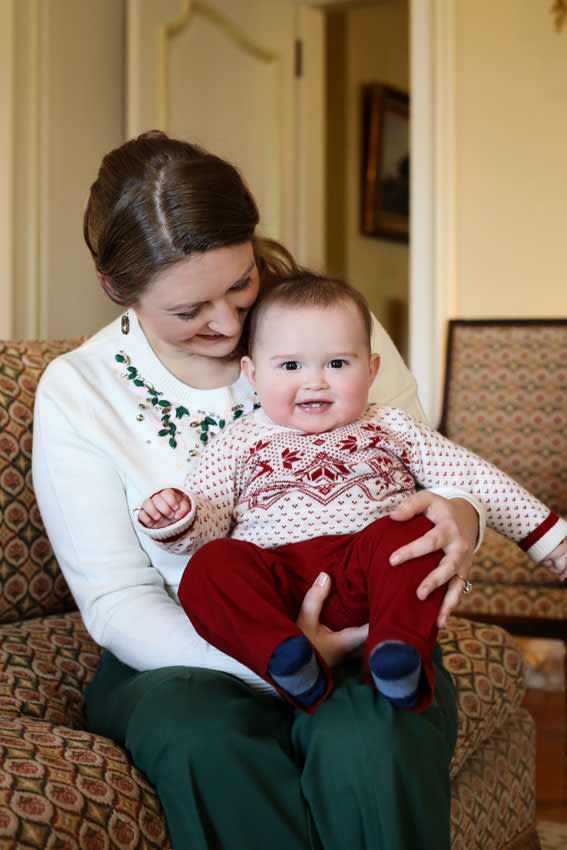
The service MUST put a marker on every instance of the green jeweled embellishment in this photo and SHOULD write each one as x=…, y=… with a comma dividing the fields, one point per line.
x=164, y=408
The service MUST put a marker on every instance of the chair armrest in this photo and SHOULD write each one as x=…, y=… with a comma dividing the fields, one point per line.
x=45, y=666
x=489, y=673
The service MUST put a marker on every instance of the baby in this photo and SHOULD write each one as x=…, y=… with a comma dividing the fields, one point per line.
x=306, y=483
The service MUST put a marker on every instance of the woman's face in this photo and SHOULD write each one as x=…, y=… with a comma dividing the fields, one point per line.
x=198, y=305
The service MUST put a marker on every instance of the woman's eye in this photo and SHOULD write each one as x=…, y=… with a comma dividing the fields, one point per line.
x=185, y=317
x=337, y=363
x=290, y=365
x=240, y=284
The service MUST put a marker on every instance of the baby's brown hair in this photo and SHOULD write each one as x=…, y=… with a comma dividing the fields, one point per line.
x=308, y=289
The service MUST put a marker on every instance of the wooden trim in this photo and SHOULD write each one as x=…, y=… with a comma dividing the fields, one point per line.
x=528, y=840
x=7, y=152
x=29, y=212
x=521, y=626
x=508, y=321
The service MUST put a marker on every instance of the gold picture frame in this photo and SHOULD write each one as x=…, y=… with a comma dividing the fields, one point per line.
x=385, y=162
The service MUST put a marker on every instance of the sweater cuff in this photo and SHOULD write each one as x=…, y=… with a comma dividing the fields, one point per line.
x=477, y=504
x=551, y=537
x=175, y=529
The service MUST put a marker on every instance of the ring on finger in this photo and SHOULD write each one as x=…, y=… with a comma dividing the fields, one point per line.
x=468, y=586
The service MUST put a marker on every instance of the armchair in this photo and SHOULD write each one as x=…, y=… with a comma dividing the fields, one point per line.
x=63, y=787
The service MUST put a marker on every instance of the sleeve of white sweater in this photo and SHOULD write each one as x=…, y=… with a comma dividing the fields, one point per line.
x=395, y=386
x=121, y=596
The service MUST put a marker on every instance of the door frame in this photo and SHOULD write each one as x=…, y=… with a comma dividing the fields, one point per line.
x=432, y=144
x=432, y=290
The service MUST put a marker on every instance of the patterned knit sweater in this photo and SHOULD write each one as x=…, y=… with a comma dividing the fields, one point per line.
x=271, y=485
x=111, y=424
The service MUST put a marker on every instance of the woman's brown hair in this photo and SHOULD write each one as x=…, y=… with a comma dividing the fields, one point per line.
x=156, y=200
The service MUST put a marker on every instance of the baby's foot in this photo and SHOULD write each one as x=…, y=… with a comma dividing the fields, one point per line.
x=396, y=670
x=296, y=669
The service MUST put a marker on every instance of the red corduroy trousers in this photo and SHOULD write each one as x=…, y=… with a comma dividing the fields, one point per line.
x=245, y=600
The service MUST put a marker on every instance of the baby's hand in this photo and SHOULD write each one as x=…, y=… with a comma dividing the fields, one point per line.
x=164, y=508
x=556, y=561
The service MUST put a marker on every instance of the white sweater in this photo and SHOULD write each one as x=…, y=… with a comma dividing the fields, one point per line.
x=271, y=485
x=100, y=447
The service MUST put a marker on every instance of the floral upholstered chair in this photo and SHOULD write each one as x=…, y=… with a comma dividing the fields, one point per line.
x=506, y=399
x=63, y=787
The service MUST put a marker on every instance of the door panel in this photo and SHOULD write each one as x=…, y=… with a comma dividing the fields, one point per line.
x=222, y=74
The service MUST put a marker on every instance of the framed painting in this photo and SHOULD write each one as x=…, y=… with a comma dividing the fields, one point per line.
x=385, y=162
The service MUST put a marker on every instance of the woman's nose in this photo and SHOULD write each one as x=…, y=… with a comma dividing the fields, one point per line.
x=225, y=318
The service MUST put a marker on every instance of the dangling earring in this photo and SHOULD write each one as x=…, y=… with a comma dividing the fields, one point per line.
x=125, y=323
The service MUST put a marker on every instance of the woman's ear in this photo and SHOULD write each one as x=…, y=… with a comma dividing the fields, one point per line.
x=374, y=366
x=248, y=369
x=109, y=289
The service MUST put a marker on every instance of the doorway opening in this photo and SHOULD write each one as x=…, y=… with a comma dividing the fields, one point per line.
x=366, y=43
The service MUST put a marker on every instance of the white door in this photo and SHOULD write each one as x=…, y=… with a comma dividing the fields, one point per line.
x=224, y=74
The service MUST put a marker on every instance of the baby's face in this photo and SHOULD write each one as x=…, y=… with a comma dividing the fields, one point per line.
x=311, y=366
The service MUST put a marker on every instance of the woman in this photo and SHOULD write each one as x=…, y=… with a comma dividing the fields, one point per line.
x=171, y=231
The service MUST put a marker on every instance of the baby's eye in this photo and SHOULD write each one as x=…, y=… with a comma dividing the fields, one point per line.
x=337, y=363
x=290, y=365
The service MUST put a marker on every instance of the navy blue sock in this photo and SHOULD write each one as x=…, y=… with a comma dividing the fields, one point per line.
x=396, y=670
x=296, y=669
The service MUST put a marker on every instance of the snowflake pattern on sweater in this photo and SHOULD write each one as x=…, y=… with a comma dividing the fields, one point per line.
x=271, y=485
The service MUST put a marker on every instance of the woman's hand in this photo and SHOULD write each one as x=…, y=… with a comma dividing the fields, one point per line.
x=332, y=646
x=455, y=531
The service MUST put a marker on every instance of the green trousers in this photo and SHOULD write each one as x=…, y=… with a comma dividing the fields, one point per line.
x=235, y=770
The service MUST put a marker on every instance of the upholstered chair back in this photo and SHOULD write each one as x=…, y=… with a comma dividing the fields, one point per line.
x=31, y=583
x=506, y=399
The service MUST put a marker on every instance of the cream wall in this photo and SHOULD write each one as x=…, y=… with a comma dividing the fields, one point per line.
x=64, y=87
x=510, y=160
x=375, y=49
x=502, y=190
x=82, y=119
